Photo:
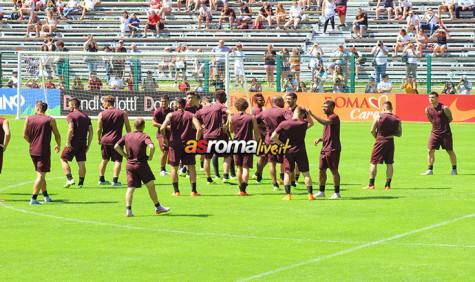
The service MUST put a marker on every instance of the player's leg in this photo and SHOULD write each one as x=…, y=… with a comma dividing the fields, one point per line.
x=192, y=172
x=103, y=166
x=308, y=183
x=82, y=173
x=216, y=166
x=430, y=160
x=207, y=168
x=287, y=177
x=389, y=176
x=67, y=172
x=289, y=166
x=239, y=177
x=116, y=172
x=226, y=167
x=163, y=156
x=244, y=179
x=373, y=169
x=153, y=196
x=322, y=179
x=129, y=194
x=261, y=163
x=336, y=183
x=37, y=186
x=453, y=161
x=174, y=177
x=273, y=174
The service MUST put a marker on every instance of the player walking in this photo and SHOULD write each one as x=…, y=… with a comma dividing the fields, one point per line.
x=384, y=129
x=441, y=136
x=4, y=138
x=331, y=148
x=37, y=132
x=158, y=118
x=109, y=131
x=78, y=141
x=138, y=170
x=184, y=126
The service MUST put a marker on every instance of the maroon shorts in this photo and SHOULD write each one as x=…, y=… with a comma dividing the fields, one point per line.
x=329, y=159
x=383, y=152
x=243, y=160
x=108, y=153
x=161, y=143
x=70, y=153
x=341, y=10
x=41, y=163
x=275, y=158
x=300, y=159
x=177, y=155
x=138, y=173
x=444, y=141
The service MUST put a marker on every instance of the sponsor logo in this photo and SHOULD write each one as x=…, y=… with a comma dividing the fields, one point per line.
x=11, y=102
x=234, y=147
x=461, y=115
x=95, y=103
x=362, y=108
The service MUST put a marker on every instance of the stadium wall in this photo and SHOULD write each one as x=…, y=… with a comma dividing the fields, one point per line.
x=9, y=100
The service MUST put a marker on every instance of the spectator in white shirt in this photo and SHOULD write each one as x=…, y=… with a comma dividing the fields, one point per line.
x=464, y=86
x=403, y=9
x=116, y=82
x=410, y=56
x=295, y=15
x=402, y=40
x=124, y=24
x=385, y=86
x=464, y=5
x=380, y=61
x=205, y=15
x=87, y=6
x=412, y=20
x=72, y=7
x=447, y=6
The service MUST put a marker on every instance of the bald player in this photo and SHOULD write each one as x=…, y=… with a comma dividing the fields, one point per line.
x=295, y=130
x=110, y=124
x=158, y=117
x=138, y=170
x=184, y=126
x=331, y=148
x=78, y=141
x=440, y=117
x=4, y=138
x=259, y=102
x=383, y=130
x=243, y=126
x=37, y=132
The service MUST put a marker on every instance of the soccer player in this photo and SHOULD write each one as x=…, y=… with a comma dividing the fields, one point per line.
x=184, y=126
x=110, y=123
x=244, y=127
x=272, y=118
x=4, y=138
x=441, y=136
x=296, y=156
x=138, y=170
x=158, y=118
x=192, y=102
x=213, y=119
x=383, y=130
x=37, y=132
x=259, y=108
x=331, y=148
x=291, y=101
x=78, y=141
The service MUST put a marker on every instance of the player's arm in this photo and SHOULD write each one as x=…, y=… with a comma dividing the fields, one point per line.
x=126, y=122
x=69, y=135
x=99, y=128
x=320, y=120
x=309, y=120
x=229, y=125
x=448, y=113
x=255, y=129
x=57, y=136
x=275, y=138
x=90, y=134
x=399, y=130
x=120, y=149
x=197, y=125
x=6, y=129
x=151, y=152
x=164, y=126
x=428, y=115
x=155, y=123
x=374, y=128
x=25, y=131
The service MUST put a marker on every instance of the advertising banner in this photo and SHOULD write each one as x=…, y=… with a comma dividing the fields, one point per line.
x=28, y=97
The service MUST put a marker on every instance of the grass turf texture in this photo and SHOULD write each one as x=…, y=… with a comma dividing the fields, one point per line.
x=84, y=234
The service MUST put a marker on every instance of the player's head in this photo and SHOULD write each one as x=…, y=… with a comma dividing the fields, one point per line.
x=139, y=124
x=181, y=103
x=108, y=101
x=241, y=104
x=278, y=101
x=434, y=97
x=221, y=96
x=259, y=99
x=300, y=113
x=388, y=107
x=291, y=99
x=164, y=101
x=328, y=107
x=41, y=107
x=192, y=98
x=74, y=104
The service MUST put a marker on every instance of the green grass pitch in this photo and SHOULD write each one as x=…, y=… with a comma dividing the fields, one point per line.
x=423, y=229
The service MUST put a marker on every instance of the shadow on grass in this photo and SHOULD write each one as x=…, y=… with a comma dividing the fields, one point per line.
x=171, y=214
x=67, y=202
x=21, y=194
x=371, y=198
x=425, y=188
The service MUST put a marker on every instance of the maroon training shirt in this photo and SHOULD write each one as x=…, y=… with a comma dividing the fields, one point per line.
x=212, y=118
x=440, y=122
x=295, y=130
x=181, y=127
x=38, y=131
x=271, y=118
x=289, y=113
x=388, y=125
x=159, y=116
x=331, y=135
x=192, y=109
x=81, y=123
x=112, y=124
x=136, y=146
x=255, y=112
x=242, y=126
x=2, y=133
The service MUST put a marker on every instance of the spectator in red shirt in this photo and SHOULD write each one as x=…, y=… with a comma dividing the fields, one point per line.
x=94, y=82
x=49, y=83
x=153, y=23
x=155, y=5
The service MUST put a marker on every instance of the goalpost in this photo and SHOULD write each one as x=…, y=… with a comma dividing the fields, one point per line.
x=137, y=80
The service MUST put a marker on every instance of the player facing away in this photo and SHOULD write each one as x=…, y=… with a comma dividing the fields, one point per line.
x=184, y=126
x=4, y=138
x=243, y=126
x=272, y=118
x=109, y=131
x=37, y=132
x=296, y=156
x=213, y=119
x=158, y=117
x=78, y=141
x=137, y=168
x=331, y=149
x=258, y=99
x=441, y=136
x=384, y=129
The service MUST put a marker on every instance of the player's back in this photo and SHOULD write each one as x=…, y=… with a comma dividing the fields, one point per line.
x=242, y=126
x=39, y=134
x=440, y=122
x=212, y=117
x=81, y=123
x=295, y=131
x=136, y=146
x=272, y=118
x=112, y=124
x=388, y=125
x=181, y=127
x=331, y=134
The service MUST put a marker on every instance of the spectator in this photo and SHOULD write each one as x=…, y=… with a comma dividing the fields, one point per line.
x=341, y=6
x=281, y=15
x=34, y=24
x=149, y=83
x=135, y=64
x=116, y=82
x=50, y=22
x=359, y=60
x=180, y=63
x=410, y=58
x=239, y=74
x=295, y=64
x=153, y=23
x=285, y=64
x=155, y=5
x=295, y=15
x=430, y=21
x=90, y=46
x=220, y=50
x=403, y=9
x=317, y=84
x=130, y=82
x=124, y=24
x=389, y=6
x=409, y=85
x=227, y=14
x=339, y=80
x=464, y=5
x=422, y=41
x=340, y=57
x=199, y=88
x=449, y=88
x=269, y=12
x=290, y=85
x=380, y=60
x=412, y=20
x=13, y=81
x=245, y=17
x=71, y=7
x=302, y=87
x=255, y=86
x=385, y=86
x=166, y=8
x=60, y=61
x=77, y=84
x=205, y=16
x=447, y=6
x=168, y=63
x=464, y=86
x=2, y=14
x=88, y=6
x=133, y=25
x=401, y=42
x=329, y=14
x=118, y=62
x=107, y=61
x=315, y=54
x=184, y=86
x=94, y=82
x=440, y=47
x=269, y=64
x=32, y=83
x=371, y=87
x=360, y=24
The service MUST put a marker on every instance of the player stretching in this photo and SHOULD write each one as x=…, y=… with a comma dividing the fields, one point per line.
x=78, y=140
x=258, y=109
x=37, y=132
x=4, y=138
x=184, y=126
x=244, y=127
x=158, y=118
x=384, y=129
x=441, y=136
x=272, y=118
x=295, y=130
x=331, y=148
x=137, y=168
x=109, y=130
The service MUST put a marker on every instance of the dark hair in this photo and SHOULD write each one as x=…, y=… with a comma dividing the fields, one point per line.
x=220, y=96
x=330, y=103
x=181, y=102
x=139, y=123
x=241, y=104
x=43, y=106
x=388, y=105
x=302, y=112
x=109, y=99
x=257, y=95
x=292, y=95
x=165, y=97
x=434, y=93
x=76, y=103
x=191, y=93
x=277, y=101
